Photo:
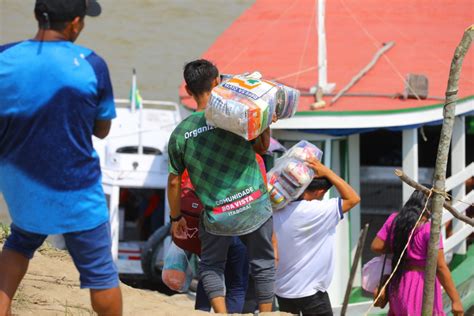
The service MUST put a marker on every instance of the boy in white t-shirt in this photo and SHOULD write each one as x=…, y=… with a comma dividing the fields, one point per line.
x=305, y=230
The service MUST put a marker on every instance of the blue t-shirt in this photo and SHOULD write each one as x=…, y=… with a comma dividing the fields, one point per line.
x=51, y=93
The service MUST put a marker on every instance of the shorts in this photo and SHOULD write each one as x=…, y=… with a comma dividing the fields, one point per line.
x=91, y=251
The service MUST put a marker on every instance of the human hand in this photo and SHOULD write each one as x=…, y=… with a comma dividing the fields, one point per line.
x=319, y=169
x=179, y=229
x=457, y=309
x=274, y=118
x=275, y=249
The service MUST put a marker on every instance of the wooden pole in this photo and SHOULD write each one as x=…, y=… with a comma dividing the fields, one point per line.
x=355, y=262
x=426, y=191
x=440, y=169
x=364, y=70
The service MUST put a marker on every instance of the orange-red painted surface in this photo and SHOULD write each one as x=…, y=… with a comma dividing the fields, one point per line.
x=279, y=39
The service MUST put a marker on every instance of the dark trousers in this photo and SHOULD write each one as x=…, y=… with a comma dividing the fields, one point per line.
x=260, y=257
x=236, y=279
x=317, y=304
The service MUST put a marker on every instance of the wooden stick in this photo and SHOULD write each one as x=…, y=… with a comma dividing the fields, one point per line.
x=364, y=70
x=355, y=263
x=440, y=169
x=425, y=190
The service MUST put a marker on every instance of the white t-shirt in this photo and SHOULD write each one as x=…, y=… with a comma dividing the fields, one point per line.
x=305, y=232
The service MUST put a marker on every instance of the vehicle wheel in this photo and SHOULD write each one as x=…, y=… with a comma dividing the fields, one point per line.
x=150, y=252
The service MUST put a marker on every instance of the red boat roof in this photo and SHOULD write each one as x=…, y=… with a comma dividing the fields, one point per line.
x=279, y=39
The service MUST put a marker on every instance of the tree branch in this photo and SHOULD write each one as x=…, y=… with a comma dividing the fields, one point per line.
x=425, y=190
x=439, y=176
x=366, y=69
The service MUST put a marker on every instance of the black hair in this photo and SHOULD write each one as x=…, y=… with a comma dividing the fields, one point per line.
x=401, y=229
x=317, y=184
x=199, y=75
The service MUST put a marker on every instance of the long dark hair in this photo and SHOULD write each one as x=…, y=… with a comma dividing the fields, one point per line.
x=401, y=229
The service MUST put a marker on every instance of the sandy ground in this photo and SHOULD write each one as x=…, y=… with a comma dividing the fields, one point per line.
x=51, y=287
x=4, y=218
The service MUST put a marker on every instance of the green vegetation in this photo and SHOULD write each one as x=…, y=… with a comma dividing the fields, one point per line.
x=4, y=232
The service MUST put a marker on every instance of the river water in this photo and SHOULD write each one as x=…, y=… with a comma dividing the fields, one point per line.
x=157, y=37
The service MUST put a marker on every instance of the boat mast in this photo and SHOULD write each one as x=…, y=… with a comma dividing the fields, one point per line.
x=140, y=111
x=134, y=88
x=322, y=52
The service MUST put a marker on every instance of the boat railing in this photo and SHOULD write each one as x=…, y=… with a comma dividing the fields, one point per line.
x=153, y=104
x=457, y=237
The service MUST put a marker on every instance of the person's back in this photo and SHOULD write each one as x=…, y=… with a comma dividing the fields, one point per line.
x=226, y=176
x=223, y=168
x=407, y=280
x=49, y=95
x=305, y=230
x=54, y=95
x=417, y=249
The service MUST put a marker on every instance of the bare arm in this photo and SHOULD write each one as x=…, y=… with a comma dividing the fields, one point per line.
x=174, y=194
x=102, y=128
x=178, y=228
x=349, y=197
x=262, y=142
x=275, y=248
x=379, y=246
x=444, y=276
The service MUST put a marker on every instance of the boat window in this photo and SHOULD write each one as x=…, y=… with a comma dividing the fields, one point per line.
x=134, y=149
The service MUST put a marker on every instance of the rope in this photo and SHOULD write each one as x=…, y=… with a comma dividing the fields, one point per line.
x=461, y=201
x=445, y=194
x=296, y=73
x=449, y=197
x=259, y=35
x=401, y=255
x=308, y=29
x=415, y=43
x=377, y=45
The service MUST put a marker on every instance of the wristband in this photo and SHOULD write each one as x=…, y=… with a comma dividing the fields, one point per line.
x=175, y=219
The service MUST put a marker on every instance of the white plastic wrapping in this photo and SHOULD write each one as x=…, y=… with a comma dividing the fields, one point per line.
x=245, y=104
x=287, y=107
x=303, y=150
x=372, y=270
x=291, y=175
x=177, y=272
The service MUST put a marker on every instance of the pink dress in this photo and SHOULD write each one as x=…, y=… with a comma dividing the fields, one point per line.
x=407, y=300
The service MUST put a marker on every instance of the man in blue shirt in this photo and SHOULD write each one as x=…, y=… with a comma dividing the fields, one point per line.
x=54, y=95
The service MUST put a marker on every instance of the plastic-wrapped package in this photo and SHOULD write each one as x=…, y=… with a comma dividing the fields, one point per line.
x=225, y=77
x=303, y=150
x=287, y=107
x=243, y=105
x=177, y=272
x=291, y=175
x=287, y=181
x=297, y=173
x=372, y=270
x=287, y=102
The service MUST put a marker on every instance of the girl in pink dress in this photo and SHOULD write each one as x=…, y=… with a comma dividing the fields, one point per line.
x=406, y=287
